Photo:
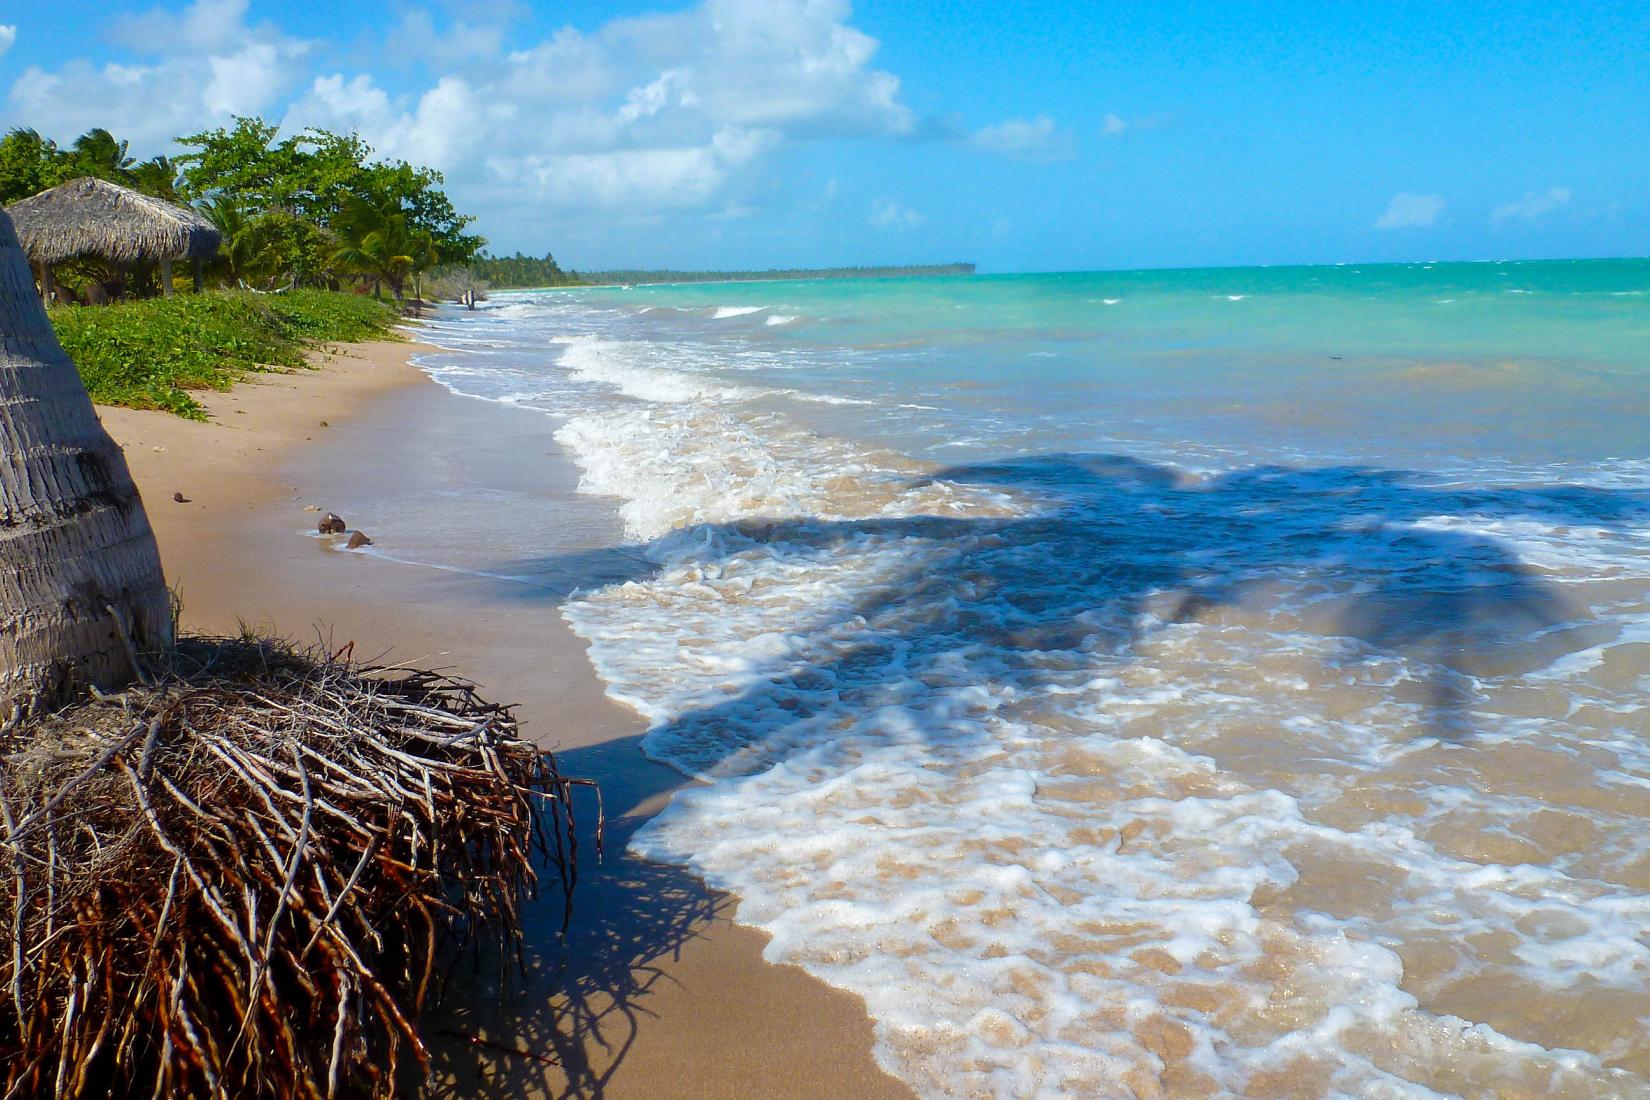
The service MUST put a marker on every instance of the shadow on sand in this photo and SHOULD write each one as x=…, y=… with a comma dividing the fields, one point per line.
x=1380, y=561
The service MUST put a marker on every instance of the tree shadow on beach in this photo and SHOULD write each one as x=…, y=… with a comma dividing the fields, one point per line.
x=1111, y=552
x=564, y=1019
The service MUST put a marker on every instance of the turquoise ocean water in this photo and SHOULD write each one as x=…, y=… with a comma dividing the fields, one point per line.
x=1166, y=683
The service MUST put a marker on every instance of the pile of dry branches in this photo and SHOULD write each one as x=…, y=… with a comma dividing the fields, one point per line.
x=239, y=880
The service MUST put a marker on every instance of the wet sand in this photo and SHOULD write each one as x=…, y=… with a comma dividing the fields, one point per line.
x=654, y=992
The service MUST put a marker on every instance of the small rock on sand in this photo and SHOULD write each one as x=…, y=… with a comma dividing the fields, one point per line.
x=358, y=540
x=180, y=498
x=312, y=507
x=332, y=524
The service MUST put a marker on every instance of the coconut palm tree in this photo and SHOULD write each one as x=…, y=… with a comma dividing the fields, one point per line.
x=99, y=153
x=238, y=254
x=375, y=241
x=82, y=597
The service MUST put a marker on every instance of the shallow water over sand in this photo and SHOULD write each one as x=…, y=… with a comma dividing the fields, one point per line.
x=1170, y=703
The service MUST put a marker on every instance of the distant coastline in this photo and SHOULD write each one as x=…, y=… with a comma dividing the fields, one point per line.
x=613, y=278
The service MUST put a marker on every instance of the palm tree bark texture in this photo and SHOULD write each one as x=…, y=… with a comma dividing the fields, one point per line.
x=83, y=601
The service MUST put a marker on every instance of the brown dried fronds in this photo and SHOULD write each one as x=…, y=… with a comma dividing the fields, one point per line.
x=238, y=881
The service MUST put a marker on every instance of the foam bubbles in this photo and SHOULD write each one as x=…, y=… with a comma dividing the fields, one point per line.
x=1095, y=776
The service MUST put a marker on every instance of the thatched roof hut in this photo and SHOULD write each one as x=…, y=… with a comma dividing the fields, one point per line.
x=93, y=217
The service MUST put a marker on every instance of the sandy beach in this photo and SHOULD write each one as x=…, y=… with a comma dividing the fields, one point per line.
x=654, y=992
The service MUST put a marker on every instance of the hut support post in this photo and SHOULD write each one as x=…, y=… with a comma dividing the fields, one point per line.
x=166, y=278
x=199, y=273
x=48, y=285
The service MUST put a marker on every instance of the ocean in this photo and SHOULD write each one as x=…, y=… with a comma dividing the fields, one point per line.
x=1143, y=684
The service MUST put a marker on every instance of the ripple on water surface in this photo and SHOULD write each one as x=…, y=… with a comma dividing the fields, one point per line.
x=1098, y=777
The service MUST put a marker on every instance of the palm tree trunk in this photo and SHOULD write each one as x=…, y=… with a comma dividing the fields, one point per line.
x=81, y=590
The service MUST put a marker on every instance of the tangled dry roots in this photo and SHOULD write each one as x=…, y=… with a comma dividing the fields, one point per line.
x=238, y=881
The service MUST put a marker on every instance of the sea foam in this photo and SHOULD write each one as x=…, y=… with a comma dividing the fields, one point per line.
x=1097, y=776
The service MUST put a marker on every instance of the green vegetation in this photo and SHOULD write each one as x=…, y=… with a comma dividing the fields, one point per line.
x=520, y=271
x=897, y=271
x=30, y=164
x=149, y=354
x=314, y=208
x=309, y=209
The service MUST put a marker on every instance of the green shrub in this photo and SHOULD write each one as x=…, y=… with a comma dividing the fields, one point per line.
x=149, y=354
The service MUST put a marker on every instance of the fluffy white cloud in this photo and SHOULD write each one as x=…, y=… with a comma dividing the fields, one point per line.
x=461, y=43
x=675, y=110
x=887, y=213
x=1411, y=211
x=201, y=66
x=210, y=26
x=1534, y=204
x=652, y=113
x=8, y=35
x=1024, y=138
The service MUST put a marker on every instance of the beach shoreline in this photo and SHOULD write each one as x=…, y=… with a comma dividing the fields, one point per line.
x=655, y=991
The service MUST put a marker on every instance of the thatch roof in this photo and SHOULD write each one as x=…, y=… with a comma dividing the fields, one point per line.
x=93, y=217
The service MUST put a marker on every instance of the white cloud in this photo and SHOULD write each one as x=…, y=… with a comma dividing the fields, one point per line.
x=1115, y=125
x=886, y=213
x=652, y=113
x=1024, y=138
x=211, y=26
x=461, y=43
x=1534, y=204
x=8, y=35
x=199, y=67
x=659, y=112
x=1411, y=211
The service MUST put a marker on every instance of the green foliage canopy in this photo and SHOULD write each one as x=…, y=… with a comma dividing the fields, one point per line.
x=519, y=271
x=326, y=179
x=30, y=164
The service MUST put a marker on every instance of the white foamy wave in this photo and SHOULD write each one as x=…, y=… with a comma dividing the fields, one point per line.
x=703, y=464
x=781, y=318
x=724, y=312
x=634, y=369
x=828, y=398
x=1096, y=777
x=1062, y=840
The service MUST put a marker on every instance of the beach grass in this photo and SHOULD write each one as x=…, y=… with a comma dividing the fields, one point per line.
x=151, y=353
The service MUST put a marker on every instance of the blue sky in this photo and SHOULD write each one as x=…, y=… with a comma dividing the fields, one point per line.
x=735, y=133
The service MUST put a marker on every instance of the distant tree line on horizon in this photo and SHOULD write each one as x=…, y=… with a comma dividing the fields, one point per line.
x=311, y=209
x=777, y=274
x=520, y=271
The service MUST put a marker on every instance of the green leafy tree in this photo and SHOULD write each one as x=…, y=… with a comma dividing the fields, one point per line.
x=157, y=176
x=29, y=164
x=375, y=242
x=242, y=161
x=330, y=179
x=263, y=249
